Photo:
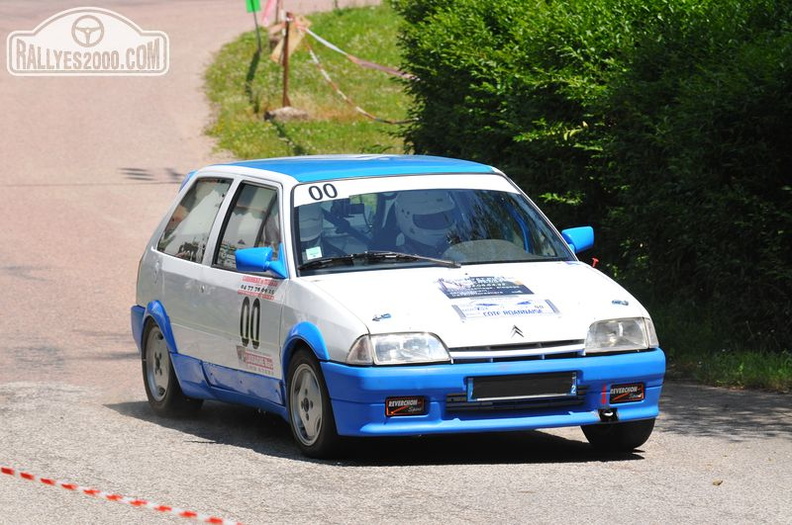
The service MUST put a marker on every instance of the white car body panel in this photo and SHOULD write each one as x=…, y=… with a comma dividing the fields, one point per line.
x=411, y=300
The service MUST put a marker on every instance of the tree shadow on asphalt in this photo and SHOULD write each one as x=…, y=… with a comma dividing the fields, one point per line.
x=732, y=415
x=268, y=434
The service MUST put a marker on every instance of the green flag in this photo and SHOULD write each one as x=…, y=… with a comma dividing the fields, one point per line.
x=253, y=5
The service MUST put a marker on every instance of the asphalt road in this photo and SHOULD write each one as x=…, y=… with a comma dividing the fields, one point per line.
x=89, y=166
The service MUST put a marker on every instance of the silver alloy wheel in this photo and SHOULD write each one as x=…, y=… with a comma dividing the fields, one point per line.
x=157, y=364
x=305, y=403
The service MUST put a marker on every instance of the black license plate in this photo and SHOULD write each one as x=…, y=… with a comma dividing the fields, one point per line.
x=524, y=386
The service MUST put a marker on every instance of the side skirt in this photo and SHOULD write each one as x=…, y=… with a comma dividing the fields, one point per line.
x=207, y=381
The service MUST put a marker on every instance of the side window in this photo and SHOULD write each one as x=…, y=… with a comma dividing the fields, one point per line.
x=187, y=231
x=253, y=221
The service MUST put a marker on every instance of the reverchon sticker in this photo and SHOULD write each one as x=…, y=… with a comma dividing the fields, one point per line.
x=405, y=406
x=626, y=393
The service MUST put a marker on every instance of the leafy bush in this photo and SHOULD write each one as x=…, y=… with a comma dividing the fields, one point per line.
x=664, y=123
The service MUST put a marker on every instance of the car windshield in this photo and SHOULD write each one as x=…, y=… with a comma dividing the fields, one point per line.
x=423, y=227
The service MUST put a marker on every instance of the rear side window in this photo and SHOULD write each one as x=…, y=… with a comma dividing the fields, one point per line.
x=252, y=222
x=187, y=231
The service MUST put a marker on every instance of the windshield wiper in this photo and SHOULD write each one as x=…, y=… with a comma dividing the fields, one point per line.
x=399, y=256
x=374, y=256
x=324, y=262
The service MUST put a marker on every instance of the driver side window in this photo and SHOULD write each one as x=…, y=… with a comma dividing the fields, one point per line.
x=253, y=221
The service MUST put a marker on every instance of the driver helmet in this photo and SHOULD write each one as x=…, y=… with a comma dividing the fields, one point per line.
x=311, y=219
x=425, y=216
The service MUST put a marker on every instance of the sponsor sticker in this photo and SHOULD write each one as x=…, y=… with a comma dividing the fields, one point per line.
x=626, y=393
x=405, y=406
x=261, y=287
x=503, y=307
x=255, y=362
x=481, y=287
x=493, y=296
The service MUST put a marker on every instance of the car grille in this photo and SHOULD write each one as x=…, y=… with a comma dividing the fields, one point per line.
x=520, y=352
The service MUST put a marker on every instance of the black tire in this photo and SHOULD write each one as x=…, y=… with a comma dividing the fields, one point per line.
x=163, y=391
x=310, y=411
x=619, y=437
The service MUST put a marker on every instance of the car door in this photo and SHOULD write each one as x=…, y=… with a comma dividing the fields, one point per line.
x=182, y=248
x=241, y=312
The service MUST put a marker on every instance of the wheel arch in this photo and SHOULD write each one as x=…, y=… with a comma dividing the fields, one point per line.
x=155, y=313
x=303, y=335
x=306, y=337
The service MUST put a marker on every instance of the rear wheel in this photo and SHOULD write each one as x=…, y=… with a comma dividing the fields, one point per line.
x=619, y=437
x=162, y=387
x=310, y=411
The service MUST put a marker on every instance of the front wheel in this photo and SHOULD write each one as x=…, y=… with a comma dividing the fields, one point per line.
x=619, y=437
x=162, y=387
x=310, y=411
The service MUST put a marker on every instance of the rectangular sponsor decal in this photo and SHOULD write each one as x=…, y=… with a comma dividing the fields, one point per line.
x=405, y=406
x=255, y=362
x=503, y=307
x=87, y=41
x=627, y=393
x=481, y=287
x=262, y=287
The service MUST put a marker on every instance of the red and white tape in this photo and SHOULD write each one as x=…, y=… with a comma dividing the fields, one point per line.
x=355, y=60
x=344, y=97
x=135, y=502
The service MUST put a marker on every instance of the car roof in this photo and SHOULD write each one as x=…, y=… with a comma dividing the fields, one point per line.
x=312, y=168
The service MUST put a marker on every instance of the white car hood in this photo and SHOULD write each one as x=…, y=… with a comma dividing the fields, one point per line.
x=480, y=305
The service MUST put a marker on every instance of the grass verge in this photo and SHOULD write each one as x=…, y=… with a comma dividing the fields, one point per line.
x=699, y=351
x=244, y=86
x=735, y=369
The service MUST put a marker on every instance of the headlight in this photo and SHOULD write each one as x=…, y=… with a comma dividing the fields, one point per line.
x=397, y=349
x=619, y=335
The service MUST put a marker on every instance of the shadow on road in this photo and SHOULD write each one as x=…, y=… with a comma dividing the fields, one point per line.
x=162, y=176
x=733, y=415
x=268, y=434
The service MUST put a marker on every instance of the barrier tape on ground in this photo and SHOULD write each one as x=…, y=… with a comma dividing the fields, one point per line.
x=326, y=75
x=135, y=502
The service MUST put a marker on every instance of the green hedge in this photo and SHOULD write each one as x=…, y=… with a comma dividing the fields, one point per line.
x=666, y=124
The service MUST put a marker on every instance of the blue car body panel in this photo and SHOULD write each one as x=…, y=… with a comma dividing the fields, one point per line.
x=358, y=394
x=324, y=167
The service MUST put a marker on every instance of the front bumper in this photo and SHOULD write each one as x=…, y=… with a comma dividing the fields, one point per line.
x=358, y=395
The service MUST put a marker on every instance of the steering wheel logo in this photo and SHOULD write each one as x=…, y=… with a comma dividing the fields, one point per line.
x=87, y=31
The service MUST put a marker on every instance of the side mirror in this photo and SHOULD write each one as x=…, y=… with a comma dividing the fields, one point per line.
x=579, y=239
x=260, y=260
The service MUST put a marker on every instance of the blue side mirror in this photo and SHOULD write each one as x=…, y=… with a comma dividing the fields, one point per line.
x=260, y=260
x=579, y=239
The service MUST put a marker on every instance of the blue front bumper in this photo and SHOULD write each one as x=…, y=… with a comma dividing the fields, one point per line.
x=358, y=395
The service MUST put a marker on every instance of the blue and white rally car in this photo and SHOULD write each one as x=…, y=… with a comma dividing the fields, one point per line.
x=388, y=295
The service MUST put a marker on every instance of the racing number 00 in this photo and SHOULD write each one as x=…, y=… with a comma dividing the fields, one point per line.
x=325, y=191
x=250, y=322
